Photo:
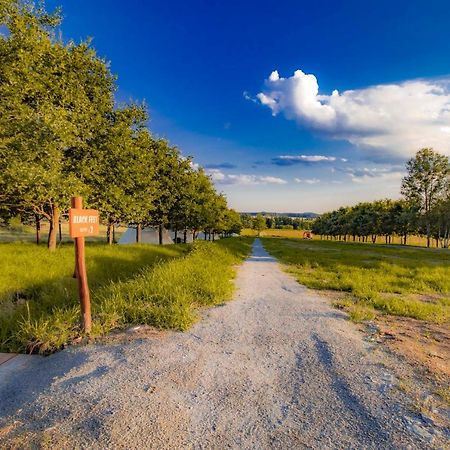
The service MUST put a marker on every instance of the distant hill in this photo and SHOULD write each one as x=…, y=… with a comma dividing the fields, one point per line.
x=302, y=215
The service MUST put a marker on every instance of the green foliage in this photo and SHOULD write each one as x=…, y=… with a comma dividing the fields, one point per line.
x=427, y=179
x=55, y=98
x=155, y=285
x=259, y=223
x=368, y=220
x=392, y=280
x=426, y=183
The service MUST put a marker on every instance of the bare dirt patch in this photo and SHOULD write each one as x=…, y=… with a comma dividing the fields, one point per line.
x=426, y=344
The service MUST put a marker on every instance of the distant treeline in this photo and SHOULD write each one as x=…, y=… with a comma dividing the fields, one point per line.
x=62, y=135
x=278, y=222
x=424, y=209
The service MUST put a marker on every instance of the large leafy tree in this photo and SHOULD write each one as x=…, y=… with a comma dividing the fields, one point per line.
x=55, y=99
x=121, y=181
x=426, y=182
x=259, y=223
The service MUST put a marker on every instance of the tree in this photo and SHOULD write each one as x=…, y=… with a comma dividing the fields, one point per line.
x=55, y=98
x=259, y=223
x=200, y=211
x=426, y=182
x=233, y=224
x=122, y=183
x=167, y=164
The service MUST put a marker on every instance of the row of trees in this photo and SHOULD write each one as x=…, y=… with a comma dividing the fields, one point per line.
x=277, y=222
x=424, y=209
x=61, y=135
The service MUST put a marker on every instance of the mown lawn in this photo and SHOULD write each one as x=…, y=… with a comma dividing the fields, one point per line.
x=397, y=280
x=133, y=284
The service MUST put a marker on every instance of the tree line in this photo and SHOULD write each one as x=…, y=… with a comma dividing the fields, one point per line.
x=423, y=210
x=61, y=135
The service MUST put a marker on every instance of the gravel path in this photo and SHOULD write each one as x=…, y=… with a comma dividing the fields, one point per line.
x=275, y=368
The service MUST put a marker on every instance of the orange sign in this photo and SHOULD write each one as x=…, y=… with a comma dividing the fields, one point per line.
x=83, y=222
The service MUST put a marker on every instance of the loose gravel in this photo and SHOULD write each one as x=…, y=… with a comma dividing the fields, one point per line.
x=275, y=368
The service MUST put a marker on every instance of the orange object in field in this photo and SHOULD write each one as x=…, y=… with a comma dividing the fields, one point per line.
x=83, y=222
x=307, y=235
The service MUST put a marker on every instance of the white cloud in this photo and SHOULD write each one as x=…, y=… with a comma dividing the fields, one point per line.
x=272, y=180
x=394, y=119
x=307, y=158
x=378, y=175
x=308, y=181
x=220, y=177
x=194, y=166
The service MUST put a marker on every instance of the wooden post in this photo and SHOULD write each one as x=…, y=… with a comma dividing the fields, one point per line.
x=80, y=270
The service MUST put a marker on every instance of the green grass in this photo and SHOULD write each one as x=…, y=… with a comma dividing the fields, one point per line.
x=138, y=284
x=401, y=281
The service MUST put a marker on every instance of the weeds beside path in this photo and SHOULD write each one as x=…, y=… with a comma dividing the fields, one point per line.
x=148, y=284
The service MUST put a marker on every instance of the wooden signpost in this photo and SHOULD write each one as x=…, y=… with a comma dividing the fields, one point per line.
x=82, y=223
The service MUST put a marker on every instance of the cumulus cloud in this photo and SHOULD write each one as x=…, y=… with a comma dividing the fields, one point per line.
x=395, y=119
x=220, y=177
x=308, y=181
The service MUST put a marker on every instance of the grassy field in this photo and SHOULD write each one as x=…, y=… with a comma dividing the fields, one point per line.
x=417, y=241
x=133, y=284
x=403, y=281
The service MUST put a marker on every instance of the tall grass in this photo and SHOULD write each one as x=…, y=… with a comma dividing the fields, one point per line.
x=145, y=284
x=401, y=281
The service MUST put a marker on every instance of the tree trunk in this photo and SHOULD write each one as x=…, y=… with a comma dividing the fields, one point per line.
x=138, y=233
x=114, y=233
x=176, y=236
x=428, y=234
x=404, y=239
x=160, y=235
x=206, y=235
x=54, y=220
x=185, y=236
x=38, y=229
x=60, y=231
x=214, y=237
x=109, y=234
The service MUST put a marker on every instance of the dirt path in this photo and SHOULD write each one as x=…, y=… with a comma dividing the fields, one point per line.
x=275, y=368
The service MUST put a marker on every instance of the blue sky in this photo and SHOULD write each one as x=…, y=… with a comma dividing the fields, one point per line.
x=245, y=87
